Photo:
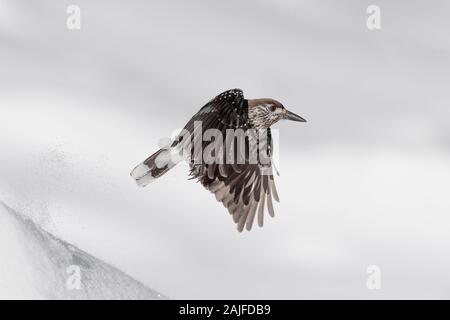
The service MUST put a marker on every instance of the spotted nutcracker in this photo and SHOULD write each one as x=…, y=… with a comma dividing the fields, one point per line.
x=245, y=187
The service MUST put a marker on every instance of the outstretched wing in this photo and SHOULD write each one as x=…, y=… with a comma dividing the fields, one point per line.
x=245, y=192
x=244, y=187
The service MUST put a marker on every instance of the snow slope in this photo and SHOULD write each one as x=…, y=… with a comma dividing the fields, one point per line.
x=36, y=265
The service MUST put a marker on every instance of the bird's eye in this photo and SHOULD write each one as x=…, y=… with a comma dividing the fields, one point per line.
x=272, y=108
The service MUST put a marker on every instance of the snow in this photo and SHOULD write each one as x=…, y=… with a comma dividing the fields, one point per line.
x=36, y=265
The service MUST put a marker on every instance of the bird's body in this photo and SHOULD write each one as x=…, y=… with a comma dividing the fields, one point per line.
x=228, y=145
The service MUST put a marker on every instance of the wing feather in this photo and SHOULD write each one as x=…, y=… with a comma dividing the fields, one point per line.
x=245, y=189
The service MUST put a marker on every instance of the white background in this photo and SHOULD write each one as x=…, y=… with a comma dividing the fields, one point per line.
x=364, y=182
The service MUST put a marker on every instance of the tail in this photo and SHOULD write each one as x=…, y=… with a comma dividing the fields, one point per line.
x=153, y=167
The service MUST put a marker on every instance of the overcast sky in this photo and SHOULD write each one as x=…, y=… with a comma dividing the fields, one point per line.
x=364, y=182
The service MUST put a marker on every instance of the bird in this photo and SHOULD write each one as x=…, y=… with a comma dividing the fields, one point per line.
x=246, y=188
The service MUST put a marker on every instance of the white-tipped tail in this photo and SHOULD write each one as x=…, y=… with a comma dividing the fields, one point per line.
x=142, y=174
x=155, y=166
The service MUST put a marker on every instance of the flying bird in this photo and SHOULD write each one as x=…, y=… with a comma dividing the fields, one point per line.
x=242, y=179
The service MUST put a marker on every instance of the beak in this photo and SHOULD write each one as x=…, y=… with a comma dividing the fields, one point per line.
x=294, y=117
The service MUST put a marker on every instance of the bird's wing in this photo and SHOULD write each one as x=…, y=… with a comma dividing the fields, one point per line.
x=244, y=192
x=225, y=111
x=245, y=188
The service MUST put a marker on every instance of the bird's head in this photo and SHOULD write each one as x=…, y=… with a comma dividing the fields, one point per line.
x=265, y=112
